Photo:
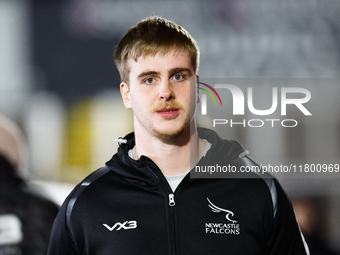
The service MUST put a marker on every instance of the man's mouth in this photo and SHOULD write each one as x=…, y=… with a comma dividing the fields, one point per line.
x=168, y=109
x=168, y=112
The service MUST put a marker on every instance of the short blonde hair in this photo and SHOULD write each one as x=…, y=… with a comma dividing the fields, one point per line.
x=151, y=36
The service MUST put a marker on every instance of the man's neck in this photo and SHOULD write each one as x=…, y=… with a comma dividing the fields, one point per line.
x=175, y=156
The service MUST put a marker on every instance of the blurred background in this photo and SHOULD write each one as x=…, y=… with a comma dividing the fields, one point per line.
x=59, y=84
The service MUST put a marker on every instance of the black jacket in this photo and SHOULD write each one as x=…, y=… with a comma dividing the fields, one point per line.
x=128, y=208
x=26, y=218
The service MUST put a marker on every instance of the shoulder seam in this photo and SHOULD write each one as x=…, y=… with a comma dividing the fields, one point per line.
x=82, y=186
x=267, y=178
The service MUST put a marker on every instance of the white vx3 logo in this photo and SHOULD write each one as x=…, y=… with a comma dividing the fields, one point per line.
x=125, y=225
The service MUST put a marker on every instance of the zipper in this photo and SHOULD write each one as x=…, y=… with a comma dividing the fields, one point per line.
x=172, y=199
x=172, y=203
x=172, y=222
x=171, y=209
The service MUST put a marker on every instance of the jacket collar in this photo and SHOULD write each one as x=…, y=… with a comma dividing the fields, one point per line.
x=144, y=170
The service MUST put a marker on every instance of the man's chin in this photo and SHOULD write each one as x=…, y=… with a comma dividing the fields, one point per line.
x=169, y=134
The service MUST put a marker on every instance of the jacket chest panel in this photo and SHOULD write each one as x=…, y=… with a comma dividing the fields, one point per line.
x=145, y=221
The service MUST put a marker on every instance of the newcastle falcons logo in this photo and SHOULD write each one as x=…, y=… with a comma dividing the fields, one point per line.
x=216, y=209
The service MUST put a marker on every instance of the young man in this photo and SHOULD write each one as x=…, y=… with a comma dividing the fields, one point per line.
x=144, y=201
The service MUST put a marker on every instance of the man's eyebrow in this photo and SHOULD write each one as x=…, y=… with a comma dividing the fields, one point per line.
x=147, y=73
x=171, y=71
x=180, y=70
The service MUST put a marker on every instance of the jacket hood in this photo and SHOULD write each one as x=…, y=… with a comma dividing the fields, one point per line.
x=221, y=149
x=145, y=170
x=140, y=171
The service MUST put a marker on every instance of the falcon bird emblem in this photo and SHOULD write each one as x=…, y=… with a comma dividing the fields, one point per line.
x=216, y=209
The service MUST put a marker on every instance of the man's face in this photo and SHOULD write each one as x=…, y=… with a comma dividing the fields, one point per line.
x=161, y=93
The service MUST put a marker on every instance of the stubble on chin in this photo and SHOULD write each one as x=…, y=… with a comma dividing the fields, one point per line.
x=170, y=135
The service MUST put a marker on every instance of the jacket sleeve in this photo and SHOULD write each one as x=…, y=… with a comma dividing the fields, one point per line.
x=61, y=241
x=286, y=237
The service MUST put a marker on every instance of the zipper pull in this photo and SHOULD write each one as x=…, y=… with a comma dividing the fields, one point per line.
x=172, y=200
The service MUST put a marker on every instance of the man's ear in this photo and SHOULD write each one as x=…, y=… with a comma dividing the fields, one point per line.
x=197, y=82
x=125, y=92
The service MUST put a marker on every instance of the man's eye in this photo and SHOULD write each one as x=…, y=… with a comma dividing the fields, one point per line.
x=149, y=80
x=178, y=77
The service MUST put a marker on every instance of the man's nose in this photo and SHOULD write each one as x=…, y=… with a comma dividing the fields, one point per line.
x=165, y=91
